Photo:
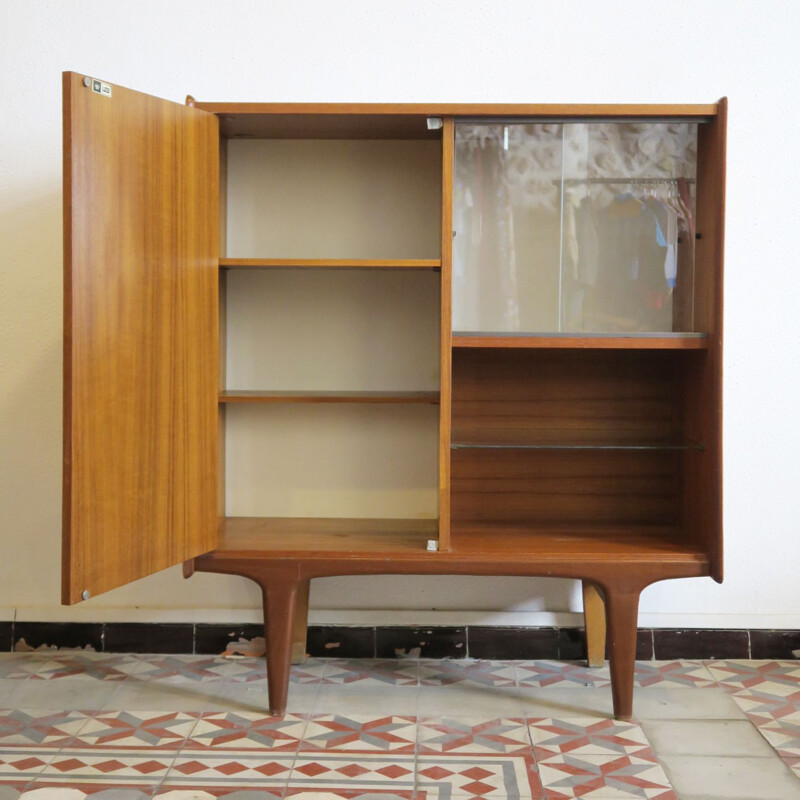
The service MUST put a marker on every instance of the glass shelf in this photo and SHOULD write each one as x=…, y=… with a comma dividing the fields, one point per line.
x=559, y=443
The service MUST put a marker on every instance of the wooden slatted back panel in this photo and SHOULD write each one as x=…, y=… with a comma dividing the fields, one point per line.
x=548, y=400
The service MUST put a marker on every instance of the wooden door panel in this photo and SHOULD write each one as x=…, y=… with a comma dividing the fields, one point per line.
x=140, y=335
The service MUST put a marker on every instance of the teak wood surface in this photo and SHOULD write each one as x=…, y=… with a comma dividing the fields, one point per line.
x=254, y=396
x=145, y=383
x=329, y=263
x=140, y=336
x=578, y=342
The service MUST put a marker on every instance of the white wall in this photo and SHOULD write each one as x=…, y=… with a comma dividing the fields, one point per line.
x=408, y=50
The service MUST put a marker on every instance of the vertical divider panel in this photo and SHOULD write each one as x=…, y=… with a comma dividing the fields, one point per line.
x=223, y=318
x=446, y=364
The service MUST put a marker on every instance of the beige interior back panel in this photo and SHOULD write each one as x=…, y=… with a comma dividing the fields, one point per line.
x=332, y=460
x=344, y=330
x=334, y=198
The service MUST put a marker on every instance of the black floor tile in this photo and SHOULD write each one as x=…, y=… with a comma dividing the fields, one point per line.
x=67, y=635
x=503, y=643
x=214, y=639
x=134, y=637
x=329, y=641
x=433, y=642
x=774, y=644
x=668, y=644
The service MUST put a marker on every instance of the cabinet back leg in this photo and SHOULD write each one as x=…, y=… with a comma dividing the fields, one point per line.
x=622, y=613
x=300, y=631
x=280, y=597
x=594, y=616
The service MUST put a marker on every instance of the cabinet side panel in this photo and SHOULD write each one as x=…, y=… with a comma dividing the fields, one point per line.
x=703, y=405
x=446, y=363
x=141, y=181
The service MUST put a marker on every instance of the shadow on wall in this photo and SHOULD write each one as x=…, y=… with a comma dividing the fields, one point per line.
x=30, y=398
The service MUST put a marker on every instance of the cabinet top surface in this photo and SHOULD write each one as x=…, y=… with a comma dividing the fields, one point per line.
x=409, y=120
x=470, y=109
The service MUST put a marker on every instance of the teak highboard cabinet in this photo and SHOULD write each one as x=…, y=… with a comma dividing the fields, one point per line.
x=308, y=340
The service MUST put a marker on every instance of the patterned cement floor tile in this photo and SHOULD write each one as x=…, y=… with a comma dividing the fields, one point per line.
x=585, y=736
x=242, y=730
x=235, y=769
x=177, y=792
x=374, y=671
x=353, y=771
x=672, y=674
x=360, y=733
x=86, y=792
x=755, y=703
x=465, y=672
x=350, y=794
x=784, y=736
x=100, y=666
x=470, y=735
x=143, y=769
x=179, y=668
x=737, y=675
x=171, y=791
x=39, y=727
x=160, y=730
x=19, y=666
x=479, y=776
x=794, y=764
x=20, y=766
x=560, y=674
x=597, y=776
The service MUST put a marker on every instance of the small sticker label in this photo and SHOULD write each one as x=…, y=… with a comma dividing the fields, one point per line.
x=98, y=87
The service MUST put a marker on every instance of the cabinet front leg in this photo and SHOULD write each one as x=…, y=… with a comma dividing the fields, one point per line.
x=622, y=613
x=280, y=597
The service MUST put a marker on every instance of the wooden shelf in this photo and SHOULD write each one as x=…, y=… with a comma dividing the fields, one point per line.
x=242, y=396
x=257, y=536
x=565, y=541
x=330, y=263
x=565, y=439
x=406, y=539
x=640, y=341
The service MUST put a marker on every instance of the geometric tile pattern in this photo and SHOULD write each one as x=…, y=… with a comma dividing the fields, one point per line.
x=673, y=675
x=586, y=736
x=460, y=736
x=478, y=673
x=604, y=776
x=359, y=733
x=557, y=673
x=368, y=672
x=235, y=751
x=480, y=776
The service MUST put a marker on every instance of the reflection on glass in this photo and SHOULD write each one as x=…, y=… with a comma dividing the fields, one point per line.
x=579, y=227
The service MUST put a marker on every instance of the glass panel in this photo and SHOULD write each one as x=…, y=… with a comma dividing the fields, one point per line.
x=578, y=227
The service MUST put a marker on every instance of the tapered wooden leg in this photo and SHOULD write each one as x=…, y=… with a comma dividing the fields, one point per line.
x=594, y=615
x=622, y=612
x=300, y=631
x=280, y=597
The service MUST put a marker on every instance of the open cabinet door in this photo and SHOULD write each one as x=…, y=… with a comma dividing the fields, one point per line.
x=141, y=223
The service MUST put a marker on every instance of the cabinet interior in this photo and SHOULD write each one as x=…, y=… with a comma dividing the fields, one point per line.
x=561, y=439
x=332, y=404
x=330, y=376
